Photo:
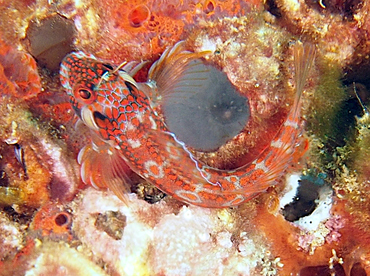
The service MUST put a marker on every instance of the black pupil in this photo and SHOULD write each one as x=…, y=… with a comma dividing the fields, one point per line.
x=84, y=93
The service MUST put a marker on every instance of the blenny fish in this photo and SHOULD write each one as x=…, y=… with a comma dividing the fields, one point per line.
x=126, y=129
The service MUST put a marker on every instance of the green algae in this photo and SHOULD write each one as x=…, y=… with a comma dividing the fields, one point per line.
x=325, y=120
x=360, y=147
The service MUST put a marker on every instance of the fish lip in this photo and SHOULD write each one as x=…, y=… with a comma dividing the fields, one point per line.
x=88, y=118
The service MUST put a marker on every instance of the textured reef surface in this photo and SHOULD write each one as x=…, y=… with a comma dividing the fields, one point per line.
x=74, y=201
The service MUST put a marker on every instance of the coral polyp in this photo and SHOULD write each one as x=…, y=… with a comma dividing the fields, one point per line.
x=138, y=15
x=18, y=73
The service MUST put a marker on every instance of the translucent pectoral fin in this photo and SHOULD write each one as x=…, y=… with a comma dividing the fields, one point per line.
x=175, y=66
x=102, y=166
x=198, y=102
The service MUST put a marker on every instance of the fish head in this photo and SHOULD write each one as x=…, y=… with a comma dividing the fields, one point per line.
x=105, y=99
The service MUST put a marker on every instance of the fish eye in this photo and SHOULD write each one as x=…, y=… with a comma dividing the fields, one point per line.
x=84, y=93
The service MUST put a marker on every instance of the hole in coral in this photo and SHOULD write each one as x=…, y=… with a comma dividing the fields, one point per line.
x=149, y=192
x=272, y=7
x=138, y=16
x=308, y=199
x=62, y=219
x=357, y=270
x=304, y=202
x=111, y=222
x=322, y=270
x=209, y=7
x=50, y=40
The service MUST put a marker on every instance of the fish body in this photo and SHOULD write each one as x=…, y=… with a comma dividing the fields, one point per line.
x=120, y=114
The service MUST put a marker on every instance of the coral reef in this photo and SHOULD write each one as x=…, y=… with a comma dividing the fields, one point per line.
x=12, y=237
x=168, y=243
x=18, y=73
x=342, y=31
x=314, y=221
x=68, y=261
x=36, y=166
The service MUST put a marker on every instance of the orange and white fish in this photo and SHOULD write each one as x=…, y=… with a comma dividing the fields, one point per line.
x=127, y=130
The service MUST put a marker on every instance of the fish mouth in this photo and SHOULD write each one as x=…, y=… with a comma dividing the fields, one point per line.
x=88, y=118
